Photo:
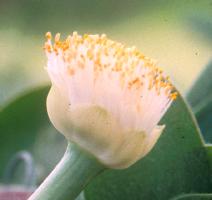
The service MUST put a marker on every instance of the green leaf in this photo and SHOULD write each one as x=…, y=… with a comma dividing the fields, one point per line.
x=204, y=115
x=200, y=98
x=177, y=164
x=198, y=93
x=202, y=24
x=208, y=148
x=194, y=197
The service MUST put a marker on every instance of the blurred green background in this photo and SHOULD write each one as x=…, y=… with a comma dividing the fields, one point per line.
x=176, y=33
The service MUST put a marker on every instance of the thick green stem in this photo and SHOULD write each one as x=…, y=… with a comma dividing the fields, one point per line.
x=69, y=177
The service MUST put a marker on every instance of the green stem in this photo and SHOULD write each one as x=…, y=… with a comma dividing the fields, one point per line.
x=69, y=177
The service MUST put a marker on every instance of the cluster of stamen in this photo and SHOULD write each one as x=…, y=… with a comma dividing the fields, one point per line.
x=111, y=56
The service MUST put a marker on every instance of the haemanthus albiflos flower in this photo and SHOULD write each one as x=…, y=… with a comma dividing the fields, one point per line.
x=106, y=98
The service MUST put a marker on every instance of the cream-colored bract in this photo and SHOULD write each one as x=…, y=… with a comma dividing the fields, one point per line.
x=105, y=97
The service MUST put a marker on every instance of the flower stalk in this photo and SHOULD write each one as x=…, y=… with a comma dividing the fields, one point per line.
x=70, y=176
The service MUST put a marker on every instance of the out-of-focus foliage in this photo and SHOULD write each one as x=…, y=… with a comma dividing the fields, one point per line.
x=200, y=98
x=201, y=91
x=194, y=197
x=202, y=24
x=200, y=94
x=24, y=124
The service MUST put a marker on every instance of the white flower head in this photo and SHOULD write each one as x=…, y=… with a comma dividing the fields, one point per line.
x=105, y=97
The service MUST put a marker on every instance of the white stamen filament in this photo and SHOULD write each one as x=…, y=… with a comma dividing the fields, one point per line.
x=92, y=69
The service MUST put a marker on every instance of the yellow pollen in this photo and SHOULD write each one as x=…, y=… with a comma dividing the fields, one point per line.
x=48, y=36
x=173, y=95
x=109, y=55
x=71, y=71
x=47, y=47
x=90, y=54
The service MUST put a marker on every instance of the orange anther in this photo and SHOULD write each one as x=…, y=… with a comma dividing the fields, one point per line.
x=48, y=36
x=71, y=71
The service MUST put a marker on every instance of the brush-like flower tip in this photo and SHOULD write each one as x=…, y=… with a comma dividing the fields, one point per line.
x=105, y=97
